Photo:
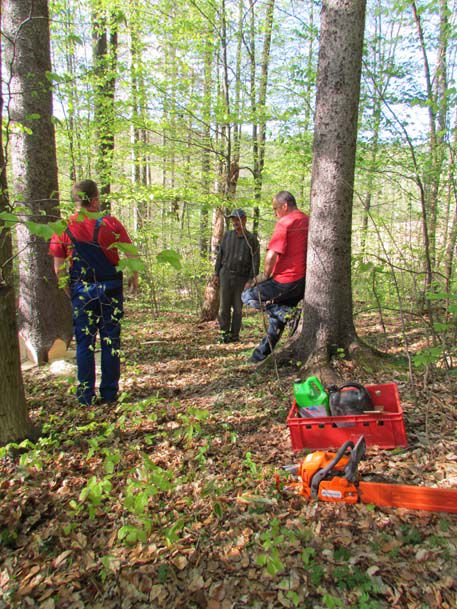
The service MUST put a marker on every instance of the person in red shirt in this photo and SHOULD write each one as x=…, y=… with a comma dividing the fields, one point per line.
x=282, y=284
x=85, y=255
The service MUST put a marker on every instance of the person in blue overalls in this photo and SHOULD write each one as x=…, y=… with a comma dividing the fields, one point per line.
x=95, y=288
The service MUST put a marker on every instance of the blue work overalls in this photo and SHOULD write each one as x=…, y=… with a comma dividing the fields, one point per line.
x=97, y=304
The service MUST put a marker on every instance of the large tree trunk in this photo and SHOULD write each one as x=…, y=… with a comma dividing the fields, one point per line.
x=327, y=312
x=105, y=41
x=44, y=310
x=15, y=424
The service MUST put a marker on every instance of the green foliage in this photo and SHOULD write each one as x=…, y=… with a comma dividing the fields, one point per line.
x=273, y=542
x=171, y=257
x=131, y=264
x=251, y=466
x=95, y=493
x=172, y=532
x=132, y=534
x=411, y=535
x=190, y=423
x=332, y=602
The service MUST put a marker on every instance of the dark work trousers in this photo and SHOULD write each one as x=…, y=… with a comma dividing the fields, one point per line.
x=230, y=309
x=277, y=300
x=97, y=305
x=97, y=308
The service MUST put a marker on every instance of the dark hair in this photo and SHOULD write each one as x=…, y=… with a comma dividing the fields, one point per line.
x=83, y=192
x=284, y=196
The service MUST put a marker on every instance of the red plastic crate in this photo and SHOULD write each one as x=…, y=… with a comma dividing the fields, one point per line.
x=385, y=429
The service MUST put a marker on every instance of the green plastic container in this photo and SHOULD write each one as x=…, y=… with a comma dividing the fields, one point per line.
x=311, y=398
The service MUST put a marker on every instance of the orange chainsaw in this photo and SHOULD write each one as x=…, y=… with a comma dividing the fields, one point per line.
x=334, y=477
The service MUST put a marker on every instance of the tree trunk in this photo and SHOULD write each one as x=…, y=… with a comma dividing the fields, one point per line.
x=258, y=105
x=208, y=56
x=327, y=312
x=236, y=153
x=105, y=61
x=73, y=126
x=15, y=424
x=226, y=124
x=437, y=105
x=211, y=298
x=34, y=164
x=261, y=106
x=452, y=235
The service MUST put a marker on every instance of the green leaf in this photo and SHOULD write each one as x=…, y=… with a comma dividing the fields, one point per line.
x=141, y=502
x=127, y=248
x=275, y=566
x=331, y=601
x=132, y=264
x=170, y=257
x=74, y=38
x=437, y=295
x=171, y=533
x=45, y=231
x=83, y=214
x=8, y=218
x=131, y=534
x=439, y=326
x=261, y=559
x=307, y=554
x=366, y=266
x=429, y=355
x=218, y=509
x=58, y=226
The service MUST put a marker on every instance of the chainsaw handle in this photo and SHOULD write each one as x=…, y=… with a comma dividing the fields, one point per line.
x=320, y=475
x=357, y=454
x=352, y=384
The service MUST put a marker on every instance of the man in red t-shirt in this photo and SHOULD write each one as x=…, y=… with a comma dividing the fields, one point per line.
x=282, y=284
x=95, y=289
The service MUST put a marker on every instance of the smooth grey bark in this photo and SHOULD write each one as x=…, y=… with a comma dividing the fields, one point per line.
x=327, y=312
x=44, y=310
x=14, y=422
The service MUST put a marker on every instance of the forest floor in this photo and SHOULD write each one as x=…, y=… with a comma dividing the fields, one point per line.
x=168, y=499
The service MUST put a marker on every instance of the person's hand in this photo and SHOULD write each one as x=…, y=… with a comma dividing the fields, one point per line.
x=216, y=281
x=133, y=283
x=249, y=284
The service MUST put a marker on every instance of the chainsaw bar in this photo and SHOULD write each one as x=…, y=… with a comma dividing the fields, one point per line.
x=409, y=497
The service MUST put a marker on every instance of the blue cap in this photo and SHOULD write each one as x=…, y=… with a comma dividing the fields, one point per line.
x=238, y=213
